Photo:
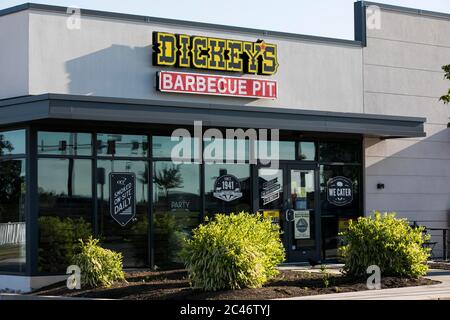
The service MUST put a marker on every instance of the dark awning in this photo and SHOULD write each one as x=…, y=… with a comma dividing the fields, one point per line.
x=57, y=106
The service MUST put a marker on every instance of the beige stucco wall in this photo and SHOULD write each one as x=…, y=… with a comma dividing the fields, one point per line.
x=403, y=76
x=109, y=57
x=14, y=55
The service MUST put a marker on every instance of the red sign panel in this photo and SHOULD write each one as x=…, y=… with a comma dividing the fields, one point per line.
x=181, y=82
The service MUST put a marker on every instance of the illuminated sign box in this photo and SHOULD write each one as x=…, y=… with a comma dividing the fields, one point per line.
x=218, y=85
x=184, y=51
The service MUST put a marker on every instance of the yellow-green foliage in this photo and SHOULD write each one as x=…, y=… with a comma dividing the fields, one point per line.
x=233, y=252
x=387, y=242
x=99, y=266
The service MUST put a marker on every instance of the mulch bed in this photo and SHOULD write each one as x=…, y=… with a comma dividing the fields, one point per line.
x=174, y=284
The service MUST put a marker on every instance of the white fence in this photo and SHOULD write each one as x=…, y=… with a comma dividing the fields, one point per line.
x=12, y=233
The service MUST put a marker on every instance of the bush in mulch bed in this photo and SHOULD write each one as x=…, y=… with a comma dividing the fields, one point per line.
x=99, y=266
x=387, y=242
x=233, y=252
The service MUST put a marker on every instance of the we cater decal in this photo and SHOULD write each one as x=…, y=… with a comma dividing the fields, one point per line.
x=205, y=53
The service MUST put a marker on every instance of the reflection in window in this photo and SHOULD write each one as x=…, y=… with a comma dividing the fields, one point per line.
x=302, y=189
x=335, y=218
x=132, y=239
x=226, y=150
x=176, y=208
x=12, y=142
x=286, y=150
x=307, y=151
x=65, y=210
x=120, y=145
x=12, y=215
x=344, y=151
x=215, y=205
x=302, y=198
x=163, y=146
x=65, y=143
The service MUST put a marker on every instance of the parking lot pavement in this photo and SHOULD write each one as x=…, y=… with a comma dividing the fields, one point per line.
x=433, y=292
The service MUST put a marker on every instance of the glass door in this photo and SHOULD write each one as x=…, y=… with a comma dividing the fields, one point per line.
x=300, y=218
x=288, y=196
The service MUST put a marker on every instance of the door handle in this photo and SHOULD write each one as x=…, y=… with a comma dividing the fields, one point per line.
x=289, y=215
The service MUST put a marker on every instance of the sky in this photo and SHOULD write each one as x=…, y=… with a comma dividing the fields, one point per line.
x=328, y=18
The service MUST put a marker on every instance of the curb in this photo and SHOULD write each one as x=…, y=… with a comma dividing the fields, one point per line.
x=23, y=297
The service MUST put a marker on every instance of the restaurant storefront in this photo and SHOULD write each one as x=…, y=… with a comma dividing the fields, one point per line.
x=73, y=170
x=139, y=153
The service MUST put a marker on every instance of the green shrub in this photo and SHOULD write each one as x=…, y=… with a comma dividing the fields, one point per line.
x=170, y=239
x=387, y=242
x=59, y=240
x=99, y=266
x=233, y=252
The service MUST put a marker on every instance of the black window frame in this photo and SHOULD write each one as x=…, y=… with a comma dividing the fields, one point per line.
x=28, y=223
x=32, y=157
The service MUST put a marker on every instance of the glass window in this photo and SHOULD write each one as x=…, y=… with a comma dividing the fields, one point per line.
x=65, y=143
x=241, y=197
x=120, y=145
x=342, y=151
x=132, y=239
x=176, y=204
x=335, y=218
x=12, y=215
x=12, y=142
x=286, y=150
x=226, y=150
x=65, y=210
x=307, y=151
x=163, y=146
x=302, y=198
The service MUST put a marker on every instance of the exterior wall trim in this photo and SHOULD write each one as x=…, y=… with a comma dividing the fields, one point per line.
x=211, y=26
x=359, y=21
x=431, y=14
x=360, y=16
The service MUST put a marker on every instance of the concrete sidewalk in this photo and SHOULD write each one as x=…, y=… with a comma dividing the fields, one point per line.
x=13, y=296
x=433, y=292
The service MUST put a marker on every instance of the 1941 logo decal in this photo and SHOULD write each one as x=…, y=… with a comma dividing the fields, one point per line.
x=227, y=188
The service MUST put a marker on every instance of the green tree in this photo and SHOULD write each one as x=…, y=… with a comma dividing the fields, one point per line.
x=169, y=178
x=446, y=98
x=12, y=184
x=5, y=145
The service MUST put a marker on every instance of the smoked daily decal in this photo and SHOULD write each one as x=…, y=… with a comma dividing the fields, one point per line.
x=122, y=197
x=340, y=191
x=184, y=51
